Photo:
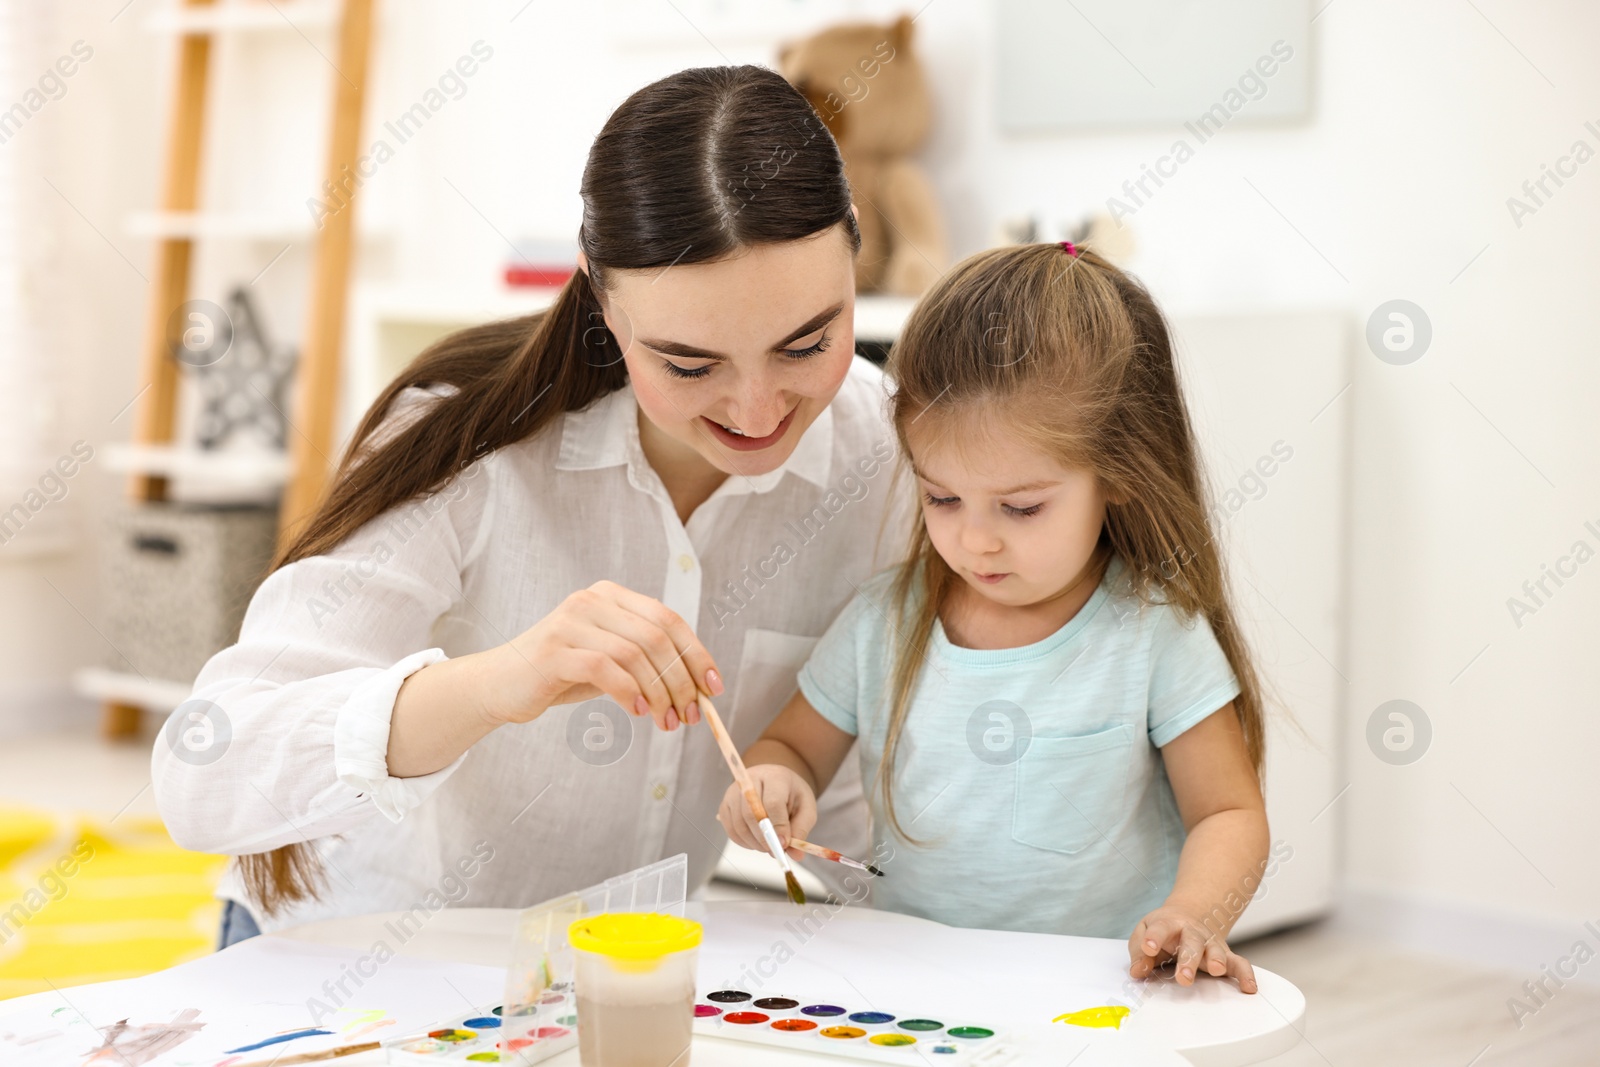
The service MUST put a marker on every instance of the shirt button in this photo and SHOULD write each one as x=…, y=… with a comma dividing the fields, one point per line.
x=686, y=561
x=659, y=792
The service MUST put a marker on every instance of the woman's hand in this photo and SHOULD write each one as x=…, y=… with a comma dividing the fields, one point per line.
x=1171, y=933
x=790, y=805
x=603, y=640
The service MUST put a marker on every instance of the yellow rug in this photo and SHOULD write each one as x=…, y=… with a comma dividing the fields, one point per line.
x=89, y=900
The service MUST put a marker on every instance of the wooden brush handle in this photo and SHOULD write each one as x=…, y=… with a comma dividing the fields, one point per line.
x=731, y=754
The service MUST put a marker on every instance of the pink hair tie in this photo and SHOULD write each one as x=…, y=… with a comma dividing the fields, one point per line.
x=1070, y=249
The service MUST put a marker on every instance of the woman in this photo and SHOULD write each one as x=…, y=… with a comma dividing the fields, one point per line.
x=670, y=481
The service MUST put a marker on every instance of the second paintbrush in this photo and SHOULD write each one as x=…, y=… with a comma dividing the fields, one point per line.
x=836, y=857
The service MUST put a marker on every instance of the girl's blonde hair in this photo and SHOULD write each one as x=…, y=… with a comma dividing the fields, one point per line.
x=1078, y=358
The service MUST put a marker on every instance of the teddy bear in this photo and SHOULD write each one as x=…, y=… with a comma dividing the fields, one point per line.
x=868, y=88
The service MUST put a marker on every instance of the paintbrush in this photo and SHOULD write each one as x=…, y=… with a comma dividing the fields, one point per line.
x=314, y=1057
x=751, y=797
x=830, y=854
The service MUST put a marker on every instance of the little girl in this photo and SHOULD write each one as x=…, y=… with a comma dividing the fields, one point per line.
x=1058, y=721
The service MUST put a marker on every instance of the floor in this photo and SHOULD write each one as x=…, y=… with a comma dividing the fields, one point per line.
x=1371, y=1005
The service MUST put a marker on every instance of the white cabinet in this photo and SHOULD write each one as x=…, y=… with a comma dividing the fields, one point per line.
x=1269, y=397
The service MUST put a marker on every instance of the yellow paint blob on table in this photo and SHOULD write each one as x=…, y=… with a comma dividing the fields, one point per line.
x=1107, y=1016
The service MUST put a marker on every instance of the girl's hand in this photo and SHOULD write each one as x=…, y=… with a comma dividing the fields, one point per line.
x=1171, y=933
x=603, y=640
x=790, y=805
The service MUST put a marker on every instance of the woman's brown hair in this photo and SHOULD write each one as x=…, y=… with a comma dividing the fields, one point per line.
x=692, y=168
x=1078, y=358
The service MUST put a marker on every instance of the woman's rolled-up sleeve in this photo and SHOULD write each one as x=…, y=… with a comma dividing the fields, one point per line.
x=295, y=715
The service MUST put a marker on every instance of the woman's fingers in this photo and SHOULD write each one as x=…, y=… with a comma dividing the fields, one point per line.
x=603, y=673
x=666, y=661
x=632, y=659
x=699, y=669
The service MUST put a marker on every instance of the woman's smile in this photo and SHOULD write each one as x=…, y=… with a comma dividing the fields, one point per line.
x=744, y=442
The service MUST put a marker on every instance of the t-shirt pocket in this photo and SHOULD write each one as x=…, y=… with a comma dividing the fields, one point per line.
x=768, y=664
x=1071, y=790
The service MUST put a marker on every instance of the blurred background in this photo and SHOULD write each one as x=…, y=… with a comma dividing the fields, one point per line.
x=1374, y=226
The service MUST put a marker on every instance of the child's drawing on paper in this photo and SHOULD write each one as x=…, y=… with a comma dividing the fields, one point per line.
x=131, y=1046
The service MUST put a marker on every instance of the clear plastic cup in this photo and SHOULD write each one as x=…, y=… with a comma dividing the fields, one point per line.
x=635, y=984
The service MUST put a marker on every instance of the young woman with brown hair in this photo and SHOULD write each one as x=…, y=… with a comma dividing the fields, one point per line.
x=673, y=477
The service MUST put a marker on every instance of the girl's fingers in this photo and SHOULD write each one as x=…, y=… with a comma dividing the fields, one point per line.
x=802, y=813
x=775, y=798
x=1160, y=937
x=1240, y=970
x=1191, y=945
x=734, y=817
x=1215, y=959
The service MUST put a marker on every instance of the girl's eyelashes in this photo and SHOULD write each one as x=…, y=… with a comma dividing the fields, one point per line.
x=950, y=501
x=793, y=353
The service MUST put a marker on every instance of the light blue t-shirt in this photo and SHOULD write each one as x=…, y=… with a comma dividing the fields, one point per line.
x=1032, y=775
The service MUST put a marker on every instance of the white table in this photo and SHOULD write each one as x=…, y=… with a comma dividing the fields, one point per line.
x=1211, y=1023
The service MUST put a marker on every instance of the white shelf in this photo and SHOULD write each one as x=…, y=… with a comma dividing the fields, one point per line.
x=152, y=694
x=240, y=225
x=236, y=468
x=257, y=15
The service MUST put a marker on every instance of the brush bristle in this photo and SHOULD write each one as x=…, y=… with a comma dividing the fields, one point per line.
x=796, y=894
x=874, y=871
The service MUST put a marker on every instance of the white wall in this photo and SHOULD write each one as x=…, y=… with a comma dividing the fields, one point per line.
x=1472, y=466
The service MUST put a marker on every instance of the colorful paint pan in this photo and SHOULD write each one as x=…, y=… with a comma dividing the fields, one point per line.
x=489, y=1036
x=453, y=1035
x=777, y=1003
x=841, y=1031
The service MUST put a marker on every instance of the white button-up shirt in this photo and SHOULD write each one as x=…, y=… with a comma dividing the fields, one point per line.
x=584, y=792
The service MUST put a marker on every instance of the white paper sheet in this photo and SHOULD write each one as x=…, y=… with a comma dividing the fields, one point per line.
x=252, y=991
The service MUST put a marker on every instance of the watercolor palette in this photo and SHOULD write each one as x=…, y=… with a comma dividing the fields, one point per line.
x=822, y=1027
x=483, y=1037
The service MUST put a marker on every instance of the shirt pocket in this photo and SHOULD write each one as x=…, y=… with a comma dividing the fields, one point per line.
x=769, y=663
x=1071, y=791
